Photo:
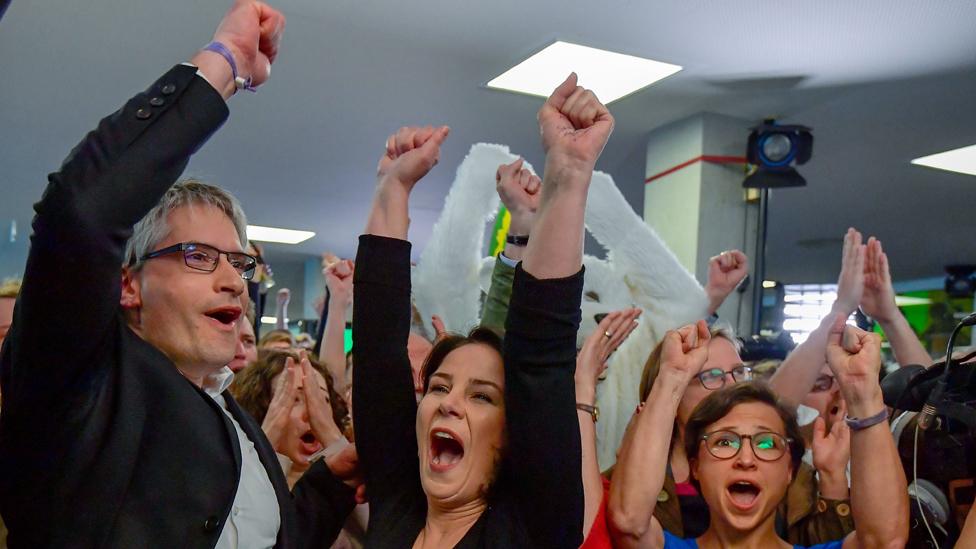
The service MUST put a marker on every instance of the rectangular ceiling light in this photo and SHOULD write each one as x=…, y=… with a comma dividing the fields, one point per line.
x=274, y=234
x=610, y=75
x=957, y=160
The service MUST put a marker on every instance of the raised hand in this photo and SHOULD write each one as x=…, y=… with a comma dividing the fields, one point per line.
x=878, y=300
x=854, y=356
x=519, y=190
x=285, y=394
x=440, y=331
x=252, y=30
x=831, y=454
x=575, y=126
x=338, y=278
x=725, y=271
x=592, y=359
x=850, y=283
x=283, y=297
x=410, y=154
x=685, y=350
x=316, y=400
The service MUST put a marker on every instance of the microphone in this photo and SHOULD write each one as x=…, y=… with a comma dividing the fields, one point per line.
x=931, y=407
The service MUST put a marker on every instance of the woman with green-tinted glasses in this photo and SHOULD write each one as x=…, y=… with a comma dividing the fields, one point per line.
x=743, y=450
x=680, y=507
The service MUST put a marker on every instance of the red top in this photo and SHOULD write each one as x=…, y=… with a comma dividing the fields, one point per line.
x=599, y=536
x=685, y=489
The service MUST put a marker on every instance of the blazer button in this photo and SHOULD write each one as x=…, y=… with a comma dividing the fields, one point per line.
x=210, y=524
x=143, y=113
x=157, y=102
x=168, y=89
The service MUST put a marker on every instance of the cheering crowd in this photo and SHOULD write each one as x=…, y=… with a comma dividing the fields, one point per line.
x=138, y=409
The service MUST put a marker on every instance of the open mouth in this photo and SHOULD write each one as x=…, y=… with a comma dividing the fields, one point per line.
x=225, y=315
x=310, y=444
x=744, y=494
x=446, y=450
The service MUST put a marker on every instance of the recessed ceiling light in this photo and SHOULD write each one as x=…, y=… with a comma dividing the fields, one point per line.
x=274, y=234
x=610, y=75
x=957, y=160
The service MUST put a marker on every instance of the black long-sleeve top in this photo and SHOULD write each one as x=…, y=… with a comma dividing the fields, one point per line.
x=537, y=501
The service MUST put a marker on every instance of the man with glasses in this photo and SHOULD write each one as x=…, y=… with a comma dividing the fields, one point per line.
x=116, y=429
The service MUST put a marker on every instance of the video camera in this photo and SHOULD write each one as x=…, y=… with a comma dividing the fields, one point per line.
x=935, y=433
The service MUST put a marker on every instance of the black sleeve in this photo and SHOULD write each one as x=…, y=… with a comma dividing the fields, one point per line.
x=323, y=503
x=118, y=172
x=540, y=397
x=384, y=408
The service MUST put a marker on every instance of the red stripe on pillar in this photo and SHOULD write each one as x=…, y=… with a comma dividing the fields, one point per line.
x=703, y=158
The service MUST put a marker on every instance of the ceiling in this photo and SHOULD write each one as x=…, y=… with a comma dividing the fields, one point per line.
x=880, y=81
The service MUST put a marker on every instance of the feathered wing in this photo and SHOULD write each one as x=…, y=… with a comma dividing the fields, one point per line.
x=668, y=294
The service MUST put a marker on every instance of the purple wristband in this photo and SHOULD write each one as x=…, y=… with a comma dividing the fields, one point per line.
x=239, y=82
x=858, y=424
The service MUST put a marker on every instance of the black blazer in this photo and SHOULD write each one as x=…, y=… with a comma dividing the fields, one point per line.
x=102, y=442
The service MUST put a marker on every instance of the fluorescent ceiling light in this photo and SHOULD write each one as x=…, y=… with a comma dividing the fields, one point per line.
x=274, y=234
x=610, y=75
x=957, y=160
x=269, y=320
x=769, y=283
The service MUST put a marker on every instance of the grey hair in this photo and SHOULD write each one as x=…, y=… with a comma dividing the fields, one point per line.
x=725, y=330
x=153, y=228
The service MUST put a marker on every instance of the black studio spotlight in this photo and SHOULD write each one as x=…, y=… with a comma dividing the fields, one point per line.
x=773, y=150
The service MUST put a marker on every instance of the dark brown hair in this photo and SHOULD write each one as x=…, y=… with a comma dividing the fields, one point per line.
x=253, y=387
x=451, y=342
x=718, y=405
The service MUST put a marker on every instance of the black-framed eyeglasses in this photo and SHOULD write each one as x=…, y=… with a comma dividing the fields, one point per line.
x=715, y=378
x=766, y=446
x=824, y=383
x=204, y=257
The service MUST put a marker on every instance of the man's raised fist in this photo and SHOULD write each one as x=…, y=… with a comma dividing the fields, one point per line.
x=252, y=30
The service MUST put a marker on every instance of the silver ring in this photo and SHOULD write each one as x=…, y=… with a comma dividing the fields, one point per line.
x=608, y=334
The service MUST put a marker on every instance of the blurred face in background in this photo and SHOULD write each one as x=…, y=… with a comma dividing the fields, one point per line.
x=825, y=395
x=300, y=442
x=247, y=347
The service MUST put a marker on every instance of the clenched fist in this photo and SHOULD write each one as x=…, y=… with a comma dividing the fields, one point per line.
x=410, y=154
x=252, y=30
x=854, y=356
x=685, y=350
x=518, y=189
x=575, y=126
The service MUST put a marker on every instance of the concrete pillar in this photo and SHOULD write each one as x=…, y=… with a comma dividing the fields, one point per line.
x=693, y=197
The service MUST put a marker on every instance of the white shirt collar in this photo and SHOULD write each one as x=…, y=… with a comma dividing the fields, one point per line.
x=218, y=382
